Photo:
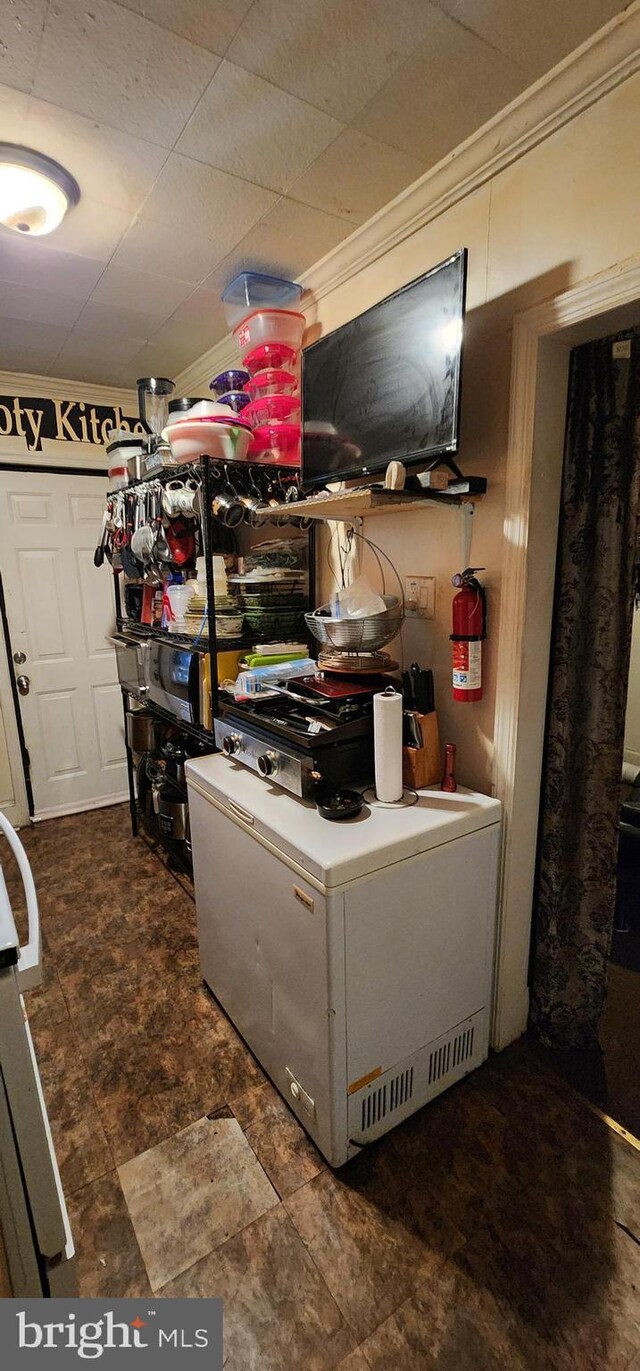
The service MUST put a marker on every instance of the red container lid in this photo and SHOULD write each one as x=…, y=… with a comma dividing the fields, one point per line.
x=270, y=355
x=268, y=378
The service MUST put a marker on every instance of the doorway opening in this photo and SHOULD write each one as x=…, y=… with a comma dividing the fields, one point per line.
x=585, y=971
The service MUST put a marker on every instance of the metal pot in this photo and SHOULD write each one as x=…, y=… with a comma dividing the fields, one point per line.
x=173, y=819
x=142, y=730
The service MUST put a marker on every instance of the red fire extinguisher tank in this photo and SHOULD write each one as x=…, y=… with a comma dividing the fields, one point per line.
x=469, y=629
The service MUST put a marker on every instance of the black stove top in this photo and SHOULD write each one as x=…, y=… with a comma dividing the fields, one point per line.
x=303, y=715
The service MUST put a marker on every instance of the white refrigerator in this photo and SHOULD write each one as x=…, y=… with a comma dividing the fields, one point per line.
x=36, y=1246
x=355, y=958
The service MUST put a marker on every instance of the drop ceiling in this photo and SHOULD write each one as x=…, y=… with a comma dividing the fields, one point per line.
x=212, y=135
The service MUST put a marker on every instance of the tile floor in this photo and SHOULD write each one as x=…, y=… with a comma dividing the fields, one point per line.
x=498, y=1228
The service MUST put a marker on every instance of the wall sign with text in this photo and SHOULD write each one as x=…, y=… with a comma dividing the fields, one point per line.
x=66, y=421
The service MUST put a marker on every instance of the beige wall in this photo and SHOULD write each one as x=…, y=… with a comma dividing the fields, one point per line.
x=632, y=730
x=563, y=212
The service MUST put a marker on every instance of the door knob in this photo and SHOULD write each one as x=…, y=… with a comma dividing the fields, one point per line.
x=23, y=683
x=19, y=658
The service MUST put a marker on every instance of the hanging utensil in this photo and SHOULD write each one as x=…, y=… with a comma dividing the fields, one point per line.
x=98, y=556
x=129, y=563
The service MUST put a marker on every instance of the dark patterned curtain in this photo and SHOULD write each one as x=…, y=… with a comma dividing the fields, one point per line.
x=595, y=585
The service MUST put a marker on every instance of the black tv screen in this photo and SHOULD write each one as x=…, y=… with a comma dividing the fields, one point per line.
x=386, y=385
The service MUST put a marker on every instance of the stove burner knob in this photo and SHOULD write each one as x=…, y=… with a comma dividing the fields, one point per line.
x=231, y=744
x=268, y=764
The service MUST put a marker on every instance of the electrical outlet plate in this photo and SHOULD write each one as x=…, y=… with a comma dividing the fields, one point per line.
x=420, y=596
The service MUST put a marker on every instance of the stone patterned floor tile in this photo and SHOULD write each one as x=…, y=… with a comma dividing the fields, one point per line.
x=452, y=1323
x=278, y=1312
x=189, y=1194
x=280, y=1144
x=370, y=1244
x=108, y=1259
x=356, y=1361
x=79, y=1139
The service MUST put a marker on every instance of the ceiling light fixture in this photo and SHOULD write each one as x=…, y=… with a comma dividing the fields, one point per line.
x=35, y=191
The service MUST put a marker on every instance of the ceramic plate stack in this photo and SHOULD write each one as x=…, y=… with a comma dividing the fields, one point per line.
x=273, y=589
x=268, y=331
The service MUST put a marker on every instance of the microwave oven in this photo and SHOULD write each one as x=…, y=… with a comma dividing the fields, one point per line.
x=173, y=678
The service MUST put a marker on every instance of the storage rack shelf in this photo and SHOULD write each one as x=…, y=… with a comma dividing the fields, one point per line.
x=207, y=640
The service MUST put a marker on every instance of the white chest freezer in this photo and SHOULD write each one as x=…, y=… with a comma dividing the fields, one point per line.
x=355, y=958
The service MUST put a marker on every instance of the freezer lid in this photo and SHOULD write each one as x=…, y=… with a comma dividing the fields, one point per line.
x=335, y=853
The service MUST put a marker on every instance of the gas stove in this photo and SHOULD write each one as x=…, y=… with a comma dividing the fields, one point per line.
x=309, y=729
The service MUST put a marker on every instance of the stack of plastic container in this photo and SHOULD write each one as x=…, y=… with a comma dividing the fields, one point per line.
x=268, y=331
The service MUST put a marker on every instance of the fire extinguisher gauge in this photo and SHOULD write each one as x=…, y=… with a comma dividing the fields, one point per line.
x=466, y=577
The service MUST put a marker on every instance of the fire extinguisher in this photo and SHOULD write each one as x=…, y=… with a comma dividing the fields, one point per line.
x=469, y=629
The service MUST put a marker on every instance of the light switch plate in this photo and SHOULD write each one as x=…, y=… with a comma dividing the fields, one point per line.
x=420, y=596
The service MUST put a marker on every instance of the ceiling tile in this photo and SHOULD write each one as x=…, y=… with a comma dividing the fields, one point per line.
x=188, y=341
x=141, y=290
x=290, y=238
x=14, y=110
x=115, y=321
x=419, y=109
x=20, y=35
x=92, y=229
x=252, y=129
x=331, y=53
x=162, y=358
x=39, y=306
x=113, y=66
x=35, y=360
x=193, y=217
x=88, y=369
x=355, y=177
x=203, y=306
x=536, y=35
x=98, y=347
x=19, y=335
x=211, y=23
x=44, y=267
x=109, y=166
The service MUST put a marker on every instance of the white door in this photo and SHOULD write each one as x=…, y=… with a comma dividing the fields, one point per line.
x=60, y=611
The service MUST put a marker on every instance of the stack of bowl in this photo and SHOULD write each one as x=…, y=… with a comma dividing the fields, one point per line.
x=208, y=428
x=268, y=332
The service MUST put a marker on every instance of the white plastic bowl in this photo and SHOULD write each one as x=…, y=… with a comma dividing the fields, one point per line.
x=191, y=439
x=283, y=326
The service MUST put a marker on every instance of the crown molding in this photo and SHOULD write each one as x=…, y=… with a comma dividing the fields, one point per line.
x=54, y=388
x=601, y=64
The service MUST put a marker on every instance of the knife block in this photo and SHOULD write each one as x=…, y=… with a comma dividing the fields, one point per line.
x=422, y=766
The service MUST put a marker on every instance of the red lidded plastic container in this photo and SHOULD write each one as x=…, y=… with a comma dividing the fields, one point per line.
x=271, y=382
x=270, y=407
x=276, y=442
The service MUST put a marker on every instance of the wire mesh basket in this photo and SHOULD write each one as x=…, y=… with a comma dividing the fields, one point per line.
x=357, y=635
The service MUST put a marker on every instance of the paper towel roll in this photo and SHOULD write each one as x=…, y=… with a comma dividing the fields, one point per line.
x=387, y=744
x=630, y=774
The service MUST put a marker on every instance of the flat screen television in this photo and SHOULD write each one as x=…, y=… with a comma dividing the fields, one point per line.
x=386, y=385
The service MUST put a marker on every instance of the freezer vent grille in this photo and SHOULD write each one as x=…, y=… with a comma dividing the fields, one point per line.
x=388, y=1097
x=450, y=1055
